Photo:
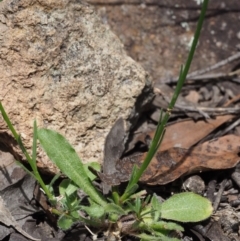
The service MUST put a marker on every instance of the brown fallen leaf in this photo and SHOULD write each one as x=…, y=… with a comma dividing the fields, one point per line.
x=187, y=133
x=167, y=166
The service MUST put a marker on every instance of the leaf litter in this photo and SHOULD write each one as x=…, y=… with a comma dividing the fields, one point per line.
x=190, y=146
x=186, y=133
x=172, y=162
x=218, y=154
x=7, y=219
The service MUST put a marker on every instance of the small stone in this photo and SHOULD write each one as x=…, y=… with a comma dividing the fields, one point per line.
x=194, y=184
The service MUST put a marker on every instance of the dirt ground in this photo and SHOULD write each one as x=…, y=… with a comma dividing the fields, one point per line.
x=157, y=34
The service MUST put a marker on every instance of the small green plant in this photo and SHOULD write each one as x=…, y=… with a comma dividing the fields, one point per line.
x=130, y=212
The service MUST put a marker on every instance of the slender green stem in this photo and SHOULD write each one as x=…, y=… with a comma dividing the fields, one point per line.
x=7, y=120
x=31, y=161
x=15, y=134
x=34, y=147
x=33, y=164
x=162, y=122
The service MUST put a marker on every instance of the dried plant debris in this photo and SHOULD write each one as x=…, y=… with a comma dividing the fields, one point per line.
x=186, y=133
x=7, y=219
x=17, y=209
x=17, y=192
x=10, y=171
x=203, y=95
x=167, y=166
x=177, y=135
x=113, y=150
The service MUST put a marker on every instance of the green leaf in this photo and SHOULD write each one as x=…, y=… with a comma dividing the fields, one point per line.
x=113, y=208
x=65, y=222
x=94, y=211
x=67, y=187
x=65, y=157
x=95, y=165
x=156, y=208
x=75, y=214
x=115, y=197
x=162, y=225
x=186, y=207
x=34, y=146
x=138, y=205
x=71, y=202
x=50, y=185
x=130, y=207
x=132, y=189
x=146, y=237
x=132, y=186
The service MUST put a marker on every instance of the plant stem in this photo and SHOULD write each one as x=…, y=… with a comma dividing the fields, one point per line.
x=162, y=122
x=31, y=161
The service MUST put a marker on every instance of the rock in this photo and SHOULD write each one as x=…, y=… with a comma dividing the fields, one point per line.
x=61, y=66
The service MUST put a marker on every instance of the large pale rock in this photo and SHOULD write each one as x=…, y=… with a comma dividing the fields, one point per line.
x=61, y=66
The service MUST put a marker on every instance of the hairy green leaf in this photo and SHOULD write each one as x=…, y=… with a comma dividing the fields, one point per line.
x=65, y=157
x=186, y=207
x=67, y=187
x=95, y=165
x=156, y=208
x=115, y=197
x=65, y=222
x=94, y=211
x=146, y=237
x=162, y=225
x=113, y=208
x=75, y=215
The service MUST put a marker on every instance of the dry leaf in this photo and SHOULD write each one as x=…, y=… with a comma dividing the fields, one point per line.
x=113, y=149
x=186, y=133
x=7, y=219
x=167, y=166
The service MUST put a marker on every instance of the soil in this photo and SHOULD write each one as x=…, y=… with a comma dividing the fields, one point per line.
x=157, y=35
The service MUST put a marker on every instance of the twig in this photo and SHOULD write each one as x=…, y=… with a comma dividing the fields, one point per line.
x=229, y=128
x=219, y=194
x=213, y=110
x=199, y=73
x=233, y=100
x=204, y=111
